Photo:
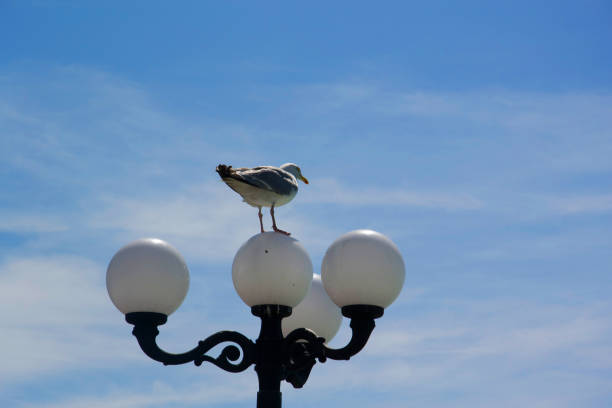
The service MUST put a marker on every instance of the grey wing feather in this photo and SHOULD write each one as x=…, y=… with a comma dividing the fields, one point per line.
x=268, y=178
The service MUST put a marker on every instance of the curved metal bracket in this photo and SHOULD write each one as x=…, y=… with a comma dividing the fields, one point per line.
x=145, y=331
x=302, y=347
x=275, y=358
x=362, y=324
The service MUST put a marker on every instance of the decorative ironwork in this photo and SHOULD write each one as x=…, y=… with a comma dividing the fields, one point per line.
x=276, y=358
x=145, y=331
x=302, y=347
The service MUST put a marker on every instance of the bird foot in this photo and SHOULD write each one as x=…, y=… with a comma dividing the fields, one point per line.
x=281, y=231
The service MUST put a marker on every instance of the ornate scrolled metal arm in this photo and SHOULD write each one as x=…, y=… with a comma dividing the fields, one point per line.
x=291, y=346
x=302, y=347
x=145, y=331
x=299, y=350
x=362, y=324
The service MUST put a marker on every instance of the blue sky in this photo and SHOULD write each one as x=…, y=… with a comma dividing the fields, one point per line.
x=477, y=136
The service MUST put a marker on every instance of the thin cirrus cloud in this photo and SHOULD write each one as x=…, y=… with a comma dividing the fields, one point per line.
x=582, y=204
x=30, y=223
x=331, y=191
x=192, y=220
x=92, y=153
x=162, y=394
x=57, y=317
x=448, y=351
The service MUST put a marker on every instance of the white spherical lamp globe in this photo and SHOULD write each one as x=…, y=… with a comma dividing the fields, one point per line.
x=363, y=267
x=147, y=275
x=316, y=312
x=272, y=268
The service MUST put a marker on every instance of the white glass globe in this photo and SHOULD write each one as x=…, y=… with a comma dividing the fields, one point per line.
x=316, y=312
x=363, y=267
x=272, y=268
x=147, y=275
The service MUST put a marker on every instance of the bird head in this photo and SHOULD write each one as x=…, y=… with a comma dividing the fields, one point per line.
x=295, y=170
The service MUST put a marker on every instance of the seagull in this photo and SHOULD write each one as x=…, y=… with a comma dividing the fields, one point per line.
x=264, y=186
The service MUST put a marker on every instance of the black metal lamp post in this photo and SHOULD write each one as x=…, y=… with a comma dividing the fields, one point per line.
x=362, y=273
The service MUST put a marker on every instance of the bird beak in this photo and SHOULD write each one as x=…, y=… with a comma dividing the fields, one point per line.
x=304, y=179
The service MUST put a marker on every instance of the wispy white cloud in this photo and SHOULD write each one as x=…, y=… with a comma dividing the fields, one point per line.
x=330, y=191
x=133, y=169
x=527, y=134
x=15, y=222
x=162, y=394
x=481, y=346
x=57, y=317
x=205, y=221
x=576, y=242
x=192, y=220
x=102, y=131
x=583, y=204
x=546, y=339
x=558, y=114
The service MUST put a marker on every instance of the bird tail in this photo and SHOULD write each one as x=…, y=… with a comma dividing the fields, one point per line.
x=223, y=170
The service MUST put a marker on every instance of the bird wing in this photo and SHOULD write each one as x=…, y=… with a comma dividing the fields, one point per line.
x=266, y=178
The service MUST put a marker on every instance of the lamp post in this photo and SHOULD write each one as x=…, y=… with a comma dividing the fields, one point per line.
x=361, y=274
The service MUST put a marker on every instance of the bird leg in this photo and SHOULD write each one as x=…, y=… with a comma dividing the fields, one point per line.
x=274, y=227
x=260, y=219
